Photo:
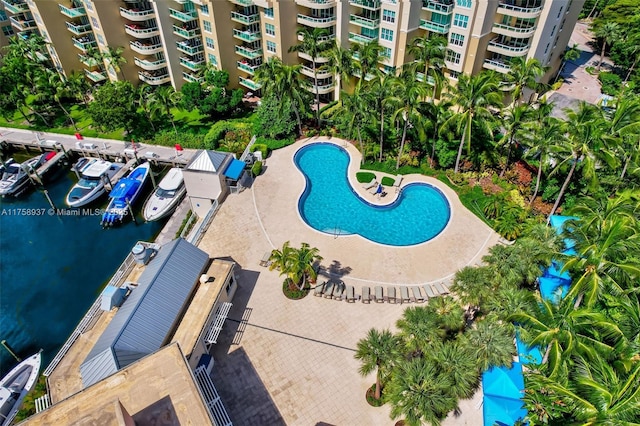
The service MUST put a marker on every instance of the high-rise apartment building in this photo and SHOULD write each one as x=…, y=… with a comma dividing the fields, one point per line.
x=169, y=41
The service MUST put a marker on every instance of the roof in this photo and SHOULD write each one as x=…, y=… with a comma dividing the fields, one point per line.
x=208, y=161
x=234, y=169
x=149, y=315
x=97, y=169
x=172, y=180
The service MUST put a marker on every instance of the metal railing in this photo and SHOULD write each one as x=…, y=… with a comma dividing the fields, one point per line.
x=196, y=233
x=247, y=150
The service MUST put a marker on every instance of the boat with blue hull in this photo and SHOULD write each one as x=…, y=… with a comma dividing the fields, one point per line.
x=124, y=194
x=16, y=385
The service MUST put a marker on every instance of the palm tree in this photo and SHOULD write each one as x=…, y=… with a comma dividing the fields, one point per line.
x=357, y=106
x=523, y=73
x=377, y=352
x=293, y=85
x=571, y=54
x=624, y=131
x=491, y=343
x=146, y=103
x=267, y=76
x=78, y=86
x=381, y=87
x=60, y=90
x=408, y=95
x=296, y=264
x=514, y=120
x=116, y=59
x=475, y=287
x=315, y=42
x=429, y=53
x=609, y=33
x=368, y=55
x=419, y=329
x=438, y=113
x=454, y=361
x=340, y=64
x=166, y=97
x=449, y=314
x=473, y=96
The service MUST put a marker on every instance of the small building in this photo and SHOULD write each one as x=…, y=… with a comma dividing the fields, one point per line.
x=207, y=177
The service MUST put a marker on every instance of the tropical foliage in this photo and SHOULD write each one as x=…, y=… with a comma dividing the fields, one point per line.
x=299, y=265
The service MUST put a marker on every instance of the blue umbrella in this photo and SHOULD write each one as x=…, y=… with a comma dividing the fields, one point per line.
x=502, y=411
x=504, y=382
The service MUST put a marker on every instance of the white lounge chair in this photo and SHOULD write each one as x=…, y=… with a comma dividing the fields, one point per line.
x=428, y=290
x=397, y=182
x=351, y=296
x=318, y=290
x=440, y=288
x=338, y=291
x=366, y=295
x=417, y=296
x=391, y=294
x=265, y=259
x=404, y=295
x=379, y=296
x=374, y=189
x=371, y=184
x=328, y=290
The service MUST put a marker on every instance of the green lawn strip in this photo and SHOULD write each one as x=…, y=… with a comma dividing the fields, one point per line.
x=387, y=181
x=365, y=177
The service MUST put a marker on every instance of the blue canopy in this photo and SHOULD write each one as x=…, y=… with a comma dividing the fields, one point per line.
x=504, y=382
x=558, y=221
x=528, y=354
x=549, y=288
x=555, y=270
x=234, y=169
x=502, y=411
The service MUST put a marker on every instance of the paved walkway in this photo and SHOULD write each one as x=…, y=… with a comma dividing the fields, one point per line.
x=291, y=362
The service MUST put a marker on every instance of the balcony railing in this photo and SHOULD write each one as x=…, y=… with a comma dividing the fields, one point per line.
x=512, y=47
x=136, y=15
x=510, y=5
x=360, y=38
x=144, y=48
x=183, y=16
x=155, y=80
x=192, y=65
x=141, y=32
x=150, y=65
x=315, y=20
x=15, y=6
x=184, y=33
x=247, y=35
x=188, y=48
x=436, y=6
x=430, y=80
x=95, y=75
x=249, y=83
x=245, y=66
x=84, y=43
x=364, y=22
x=243, y=2
x=320, y=73
x=248, y=53
x=78, y=29
x=245, y=19
x=434, y=26
x=521, y=31
x=192, y=78
x=72, y=12
x=323, y=88
x=497, y=65
x=87, y=60
x=22, y=24
x=367, y=4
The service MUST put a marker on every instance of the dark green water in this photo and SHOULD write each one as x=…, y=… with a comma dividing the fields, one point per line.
x=53, y=267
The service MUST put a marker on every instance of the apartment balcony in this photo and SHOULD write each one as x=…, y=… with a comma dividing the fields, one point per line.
x=246, y=35
x=360, y=38
x=15, y=7
x=78, y=29
x=508, y=48
x=183, y=16
x=184, y=33
x=249, y=83
x=317, y=4
x=511, y=31
x=320, y=39
x=72, y=12
x=319, y=59
x=22, y=23
x=322, y=89
x=245, y=19
x=87, y=60
x=145, y=48
x=430, y=80
x=137, y=15
x=248, y=53
x=154, y=78
x=188, y=48
x=366, y=4
x=139, y=31
x=150, y=65
x=192, y=78
x=84, y=43
x=434, y=27
x=25, y=34
x=95, y=76
x=247, y=67
x=517, y=9
x=361, y=21
x=243, y=2
x=316, y=22
x=440, y=6
x=321, y=73
x=497, y=65
x=193, y=65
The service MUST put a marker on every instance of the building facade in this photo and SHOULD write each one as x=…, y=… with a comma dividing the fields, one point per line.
x=169, y=41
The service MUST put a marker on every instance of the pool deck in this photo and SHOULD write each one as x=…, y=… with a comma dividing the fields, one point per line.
x=291, y=362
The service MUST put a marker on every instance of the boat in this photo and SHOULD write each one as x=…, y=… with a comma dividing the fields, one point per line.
x=93, y=172
x=15, y=177
x=166, y=197
x=123, y=194
x=16, y=385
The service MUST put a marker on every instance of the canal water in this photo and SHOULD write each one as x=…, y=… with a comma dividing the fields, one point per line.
x=53, y=266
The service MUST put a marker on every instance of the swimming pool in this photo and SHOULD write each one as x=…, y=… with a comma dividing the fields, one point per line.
x=329, y=204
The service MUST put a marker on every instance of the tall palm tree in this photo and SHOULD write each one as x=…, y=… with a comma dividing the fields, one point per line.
x=303, y=263
x=368, y=55
x=475, y=287
x=78, y=86
x=514, y=120
x=438, y=113
x=315, y=43
x=377, y=352
x=292, y=83
x=608, y=33
x=454, y=361
x=381, y=87
x=267, y=76
x=429, y=53
x=474, y=96
x=357, y=106
x=145, y=101
x=166, y=97
x=114, y=56
x=624, y=131
x=340, y=64
x=523, y=73
x=408, y=95
x=491, y=343
x=419, y=329
x=60, y=90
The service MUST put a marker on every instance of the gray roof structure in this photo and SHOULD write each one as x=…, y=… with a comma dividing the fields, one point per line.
x=208, y=161
x=149, y=316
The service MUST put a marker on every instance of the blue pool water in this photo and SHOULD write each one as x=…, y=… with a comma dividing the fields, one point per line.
x=329, y=203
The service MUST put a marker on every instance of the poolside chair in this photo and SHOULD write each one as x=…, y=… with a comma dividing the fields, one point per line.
x=265, y=259
x=441, y=288
x=397, y=182
x=366, y=295
x=328, y=290
x=379, y=297
x=350, y=294
x=391, y=294
x=371, y=184
x=318, y=290
x=338, y=291
x=404, y=295
x=428, y=290
x=374, y=190
x=417, y=296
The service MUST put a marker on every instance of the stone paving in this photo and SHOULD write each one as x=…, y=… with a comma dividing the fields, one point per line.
x=291, y=362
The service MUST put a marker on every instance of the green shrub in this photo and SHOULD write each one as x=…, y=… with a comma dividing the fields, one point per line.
x=365, y=177
x=328, y=106
x=264, y=150
x=610, y=83
x=220, y=128
x=387, y=181
x=170, y=138
x=273, y=144
x=291, y=291
x=256, y=169
x=590, y=70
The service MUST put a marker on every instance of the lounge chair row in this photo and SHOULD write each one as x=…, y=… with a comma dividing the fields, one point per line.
x=336, y=290
x=339, y=291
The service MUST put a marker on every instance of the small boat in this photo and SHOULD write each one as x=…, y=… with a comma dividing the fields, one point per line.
x=16, y=385
x=123, y=194
x=15, y=177
x=93, y=174
x=166, y=197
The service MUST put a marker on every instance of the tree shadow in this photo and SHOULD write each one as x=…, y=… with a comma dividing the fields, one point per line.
x=334, y=271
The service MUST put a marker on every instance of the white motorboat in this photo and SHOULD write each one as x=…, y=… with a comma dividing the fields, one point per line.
x=16, y=385
x=93, y=174
x=15, y=177
x=166, y=197
x=124, y=194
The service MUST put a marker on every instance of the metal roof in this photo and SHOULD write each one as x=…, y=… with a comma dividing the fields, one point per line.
x=149, y=315
x=208, y=161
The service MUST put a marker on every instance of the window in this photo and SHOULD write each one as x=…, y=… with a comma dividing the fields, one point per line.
x=95, y=23
x=270, y=29
x=546, y=49
x=388, y=16
x=212, y=59
x=88, y=5
x=7, y=30
x=386, y=34
x=559, y=13
x=3, y=16
x=456, y=39
x=386, y=52
x=204, y=9
x=209, y=42
x=268, y=13
x=37, y=18
x=454, y=74
x=207, y=26
x=229, y=285
x=553, y=31
x=453, y=57
x=460, y=21
x=101, y=40
x=271, y=46
x=464, y=3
